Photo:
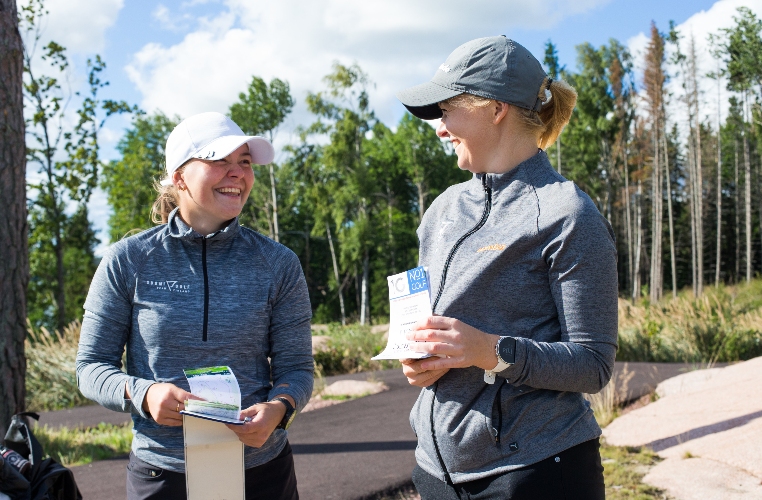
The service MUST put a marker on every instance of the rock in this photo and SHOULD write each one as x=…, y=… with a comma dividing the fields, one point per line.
x=319, y=343
x=354, y=388
x=707, y=425
x=703, y=479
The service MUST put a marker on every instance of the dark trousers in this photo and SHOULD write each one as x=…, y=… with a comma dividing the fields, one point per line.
x=275, y=480
x=573, y=474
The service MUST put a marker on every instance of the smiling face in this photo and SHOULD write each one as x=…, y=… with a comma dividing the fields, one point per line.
x=213, y=192
x=471, y=132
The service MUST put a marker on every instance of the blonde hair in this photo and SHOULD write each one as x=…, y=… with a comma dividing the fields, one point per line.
x=546, y=124
x=167, y=200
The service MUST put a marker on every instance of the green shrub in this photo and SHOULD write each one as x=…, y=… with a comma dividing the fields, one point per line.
x=349, y=350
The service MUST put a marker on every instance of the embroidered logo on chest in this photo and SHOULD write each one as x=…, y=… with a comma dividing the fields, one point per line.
x=169, y=286
x=497, y=247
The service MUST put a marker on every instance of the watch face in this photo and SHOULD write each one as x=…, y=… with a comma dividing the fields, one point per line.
x=507, y=349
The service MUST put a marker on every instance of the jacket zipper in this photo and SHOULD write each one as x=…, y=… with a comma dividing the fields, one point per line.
x=482, y=221
x=499, y=413
x=206, y=287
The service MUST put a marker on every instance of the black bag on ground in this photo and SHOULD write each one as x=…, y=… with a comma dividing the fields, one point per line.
x=46, y=479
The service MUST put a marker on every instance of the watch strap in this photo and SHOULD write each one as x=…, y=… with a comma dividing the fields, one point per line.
x=489, y=375
x=288, y=417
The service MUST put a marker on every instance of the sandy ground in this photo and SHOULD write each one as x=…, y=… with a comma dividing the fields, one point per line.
x=707, y=425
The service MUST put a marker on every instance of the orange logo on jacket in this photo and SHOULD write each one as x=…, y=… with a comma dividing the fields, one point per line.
x=497, y=247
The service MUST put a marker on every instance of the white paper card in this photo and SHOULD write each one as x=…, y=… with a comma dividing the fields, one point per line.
x=409, y=302
x=214, y=466
x=219, y=389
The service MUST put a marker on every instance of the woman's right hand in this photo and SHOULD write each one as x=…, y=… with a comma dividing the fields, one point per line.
x=417, y=376
x=164, y=401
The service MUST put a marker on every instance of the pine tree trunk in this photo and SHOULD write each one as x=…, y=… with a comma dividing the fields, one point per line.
x=339, y=284
x=669, y=211
x=14, y=266
x=718, y=250
x=275, y=204
x=627, y=216
x=737, y=199
x=699, y=194
x=655, y=287
x=365, y=306
x=692, y=200
x=638, y=242
x=747, y=195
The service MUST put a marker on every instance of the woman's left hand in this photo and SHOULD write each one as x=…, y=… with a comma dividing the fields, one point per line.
x=462, y=344
x=265, y=417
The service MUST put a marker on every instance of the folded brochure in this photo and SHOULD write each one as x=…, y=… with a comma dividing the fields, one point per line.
x=409, y=302
x=221, y=394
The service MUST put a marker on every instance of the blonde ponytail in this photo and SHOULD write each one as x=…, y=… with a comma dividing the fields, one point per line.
x=556, y=113
x=167, y=200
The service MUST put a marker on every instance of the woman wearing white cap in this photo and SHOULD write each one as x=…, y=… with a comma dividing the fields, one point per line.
x=524, y=269
x=199, y=290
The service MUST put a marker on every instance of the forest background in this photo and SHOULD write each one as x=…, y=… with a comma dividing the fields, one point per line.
x=665, y=139
x=683, y=193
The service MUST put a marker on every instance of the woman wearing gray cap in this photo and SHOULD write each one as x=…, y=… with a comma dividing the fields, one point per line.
x=199, y=291
x=524, y=269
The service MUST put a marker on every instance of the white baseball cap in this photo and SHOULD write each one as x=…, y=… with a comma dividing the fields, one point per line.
x=211, y=136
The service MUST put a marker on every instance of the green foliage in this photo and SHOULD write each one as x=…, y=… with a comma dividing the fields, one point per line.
x=263, y=108
x=743, y=46
x=260, y=111
x=129, y=182
x=61, y=243
x=71, y=447
x=349, y=350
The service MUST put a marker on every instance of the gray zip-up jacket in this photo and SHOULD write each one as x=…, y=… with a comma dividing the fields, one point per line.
x=531, y=257
x=179, y=300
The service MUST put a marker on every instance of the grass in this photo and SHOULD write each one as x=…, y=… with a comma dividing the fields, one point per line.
x=623, y=471
x=723, y=325
x=51, y=381
x=81, y=446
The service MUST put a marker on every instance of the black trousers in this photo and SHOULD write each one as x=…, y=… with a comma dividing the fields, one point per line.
x=573, y=474
x=275, y=480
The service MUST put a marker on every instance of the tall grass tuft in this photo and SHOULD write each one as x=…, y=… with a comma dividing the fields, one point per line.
x=349, y=349
x=51, y=380
x=606, y=404
x=724, y=325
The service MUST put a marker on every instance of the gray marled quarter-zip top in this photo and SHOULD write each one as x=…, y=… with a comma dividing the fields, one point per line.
x=179, y=300
x=525, y=254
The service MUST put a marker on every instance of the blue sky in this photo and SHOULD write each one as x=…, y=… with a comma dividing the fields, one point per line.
x=184, y=57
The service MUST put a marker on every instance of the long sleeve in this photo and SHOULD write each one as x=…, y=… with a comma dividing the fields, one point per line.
x=105, y=329
x=290, y=336
x=581, y=259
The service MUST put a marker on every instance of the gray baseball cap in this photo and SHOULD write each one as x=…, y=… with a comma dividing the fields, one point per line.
x=494, y=67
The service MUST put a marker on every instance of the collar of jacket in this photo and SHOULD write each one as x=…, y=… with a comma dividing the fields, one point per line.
x=179, y=229
x=498, y=182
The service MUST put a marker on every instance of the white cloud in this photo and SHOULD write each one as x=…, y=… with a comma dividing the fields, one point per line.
x=397, y=42
x=80, y=25
x=698, y=26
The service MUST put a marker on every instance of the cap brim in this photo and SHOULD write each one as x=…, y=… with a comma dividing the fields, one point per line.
x=422, y=100
x=262, y=152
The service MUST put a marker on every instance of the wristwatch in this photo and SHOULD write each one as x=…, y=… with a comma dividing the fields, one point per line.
x=289, y=416
x=505, y=349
